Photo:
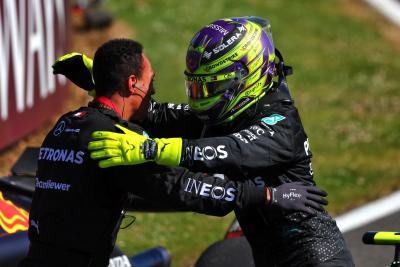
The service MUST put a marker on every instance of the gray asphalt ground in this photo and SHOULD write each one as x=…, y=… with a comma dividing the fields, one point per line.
x=373, y=255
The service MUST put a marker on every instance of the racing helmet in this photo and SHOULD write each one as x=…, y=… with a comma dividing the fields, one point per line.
x=230, y=64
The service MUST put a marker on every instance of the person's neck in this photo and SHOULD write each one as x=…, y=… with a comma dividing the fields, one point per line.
x=117, y=104
x=123, y=106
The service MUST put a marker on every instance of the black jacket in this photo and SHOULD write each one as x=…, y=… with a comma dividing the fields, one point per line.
x=265, y=146
x=77, y=205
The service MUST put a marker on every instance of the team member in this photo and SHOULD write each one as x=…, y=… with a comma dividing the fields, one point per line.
x=76, y=209
x=252, y=132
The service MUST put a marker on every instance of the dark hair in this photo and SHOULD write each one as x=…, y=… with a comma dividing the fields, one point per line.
x=114, y=62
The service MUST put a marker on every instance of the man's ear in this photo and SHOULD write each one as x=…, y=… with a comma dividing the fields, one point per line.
x=132, y=80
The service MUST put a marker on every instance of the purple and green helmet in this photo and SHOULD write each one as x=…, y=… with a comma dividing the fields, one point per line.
x=230, y=64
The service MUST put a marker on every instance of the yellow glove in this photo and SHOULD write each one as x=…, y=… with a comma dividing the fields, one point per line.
x=77, y=67
x=130, y=148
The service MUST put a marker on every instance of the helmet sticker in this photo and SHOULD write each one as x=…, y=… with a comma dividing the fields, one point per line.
x=218, y=28
x=227, y=43
x=223, y=62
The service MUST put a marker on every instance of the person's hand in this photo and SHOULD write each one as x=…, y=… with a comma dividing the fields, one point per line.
x=130, y=148
x=77, y=67
x=297, y=197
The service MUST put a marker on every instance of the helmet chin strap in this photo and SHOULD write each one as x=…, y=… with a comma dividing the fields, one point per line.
x=282, y=69
x=281, y=87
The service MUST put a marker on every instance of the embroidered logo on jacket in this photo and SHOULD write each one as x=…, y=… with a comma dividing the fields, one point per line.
x=273, y=119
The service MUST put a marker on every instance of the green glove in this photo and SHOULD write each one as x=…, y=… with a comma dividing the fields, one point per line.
x=77, y=67
x=130, y=148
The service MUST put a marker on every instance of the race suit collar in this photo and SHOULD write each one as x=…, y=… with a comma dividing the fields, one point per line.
x=111, y=113
x=107, y=103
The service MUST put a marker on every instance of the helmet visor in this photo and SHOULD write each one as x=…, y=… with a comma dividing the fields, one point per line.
x=202, y=86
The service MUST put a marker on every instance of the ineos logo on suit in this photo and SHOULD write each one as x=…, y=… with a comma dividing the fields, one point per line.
x=208, y=190
x=209, y=152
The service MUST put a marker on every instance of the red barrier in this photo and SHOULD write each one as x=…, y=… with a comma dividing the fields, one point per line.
x=33, y=33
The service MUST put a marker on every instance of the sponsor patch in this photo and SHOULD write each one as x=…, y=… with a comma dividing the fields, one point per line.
x=207, y=152
x=51, y=185
x=218, y=29
x=59, y=128
x=234, y=38
x=64, y=155
x=79, y=114
x=273, y=119
x=203, y=189
x=71, y=130
x=120, y=261
x=207, y=55
x=292, y=195
x=253, y=133
x=220, y=63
